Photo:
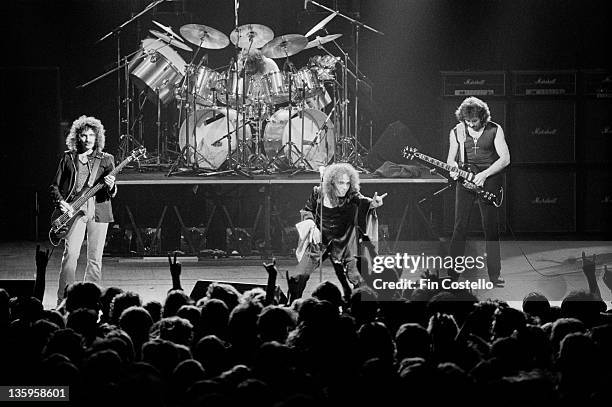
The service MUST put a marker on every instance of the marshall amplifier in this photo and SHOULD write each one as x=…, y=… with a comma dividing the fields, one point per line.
x=542, y=131
x=597, y=83
x=535, y=83
x=595, y=200
x=594, y=144
x=490, y=83
x=542, y=200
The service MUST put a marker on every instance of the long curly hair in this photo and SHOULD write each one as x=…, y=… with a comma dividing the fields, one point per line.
x=473, y=107
x=79, y=126
x=332, y=174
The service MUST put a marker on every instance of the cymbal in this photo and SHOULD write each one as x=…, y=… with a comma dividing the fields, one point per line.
x=168, y=30
x=257, y=33
x=170, y=40
x=322, y=40
x=285, y=46
x=321, y=23
x=204, y=36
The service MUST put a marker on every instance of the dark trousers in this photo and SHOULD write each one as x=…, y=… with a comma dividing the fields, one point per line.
x=489, y=216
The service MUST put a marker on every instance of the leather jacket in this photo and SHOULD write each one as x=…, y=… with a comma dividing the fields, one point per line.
x=63, y=184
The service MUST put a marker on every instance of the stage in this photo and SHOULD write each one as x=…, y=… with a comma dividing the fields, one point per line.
x=558, y=270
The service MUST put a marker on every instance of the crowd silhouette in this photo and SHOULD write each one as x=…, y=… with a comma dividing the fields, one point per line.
x=231, y=348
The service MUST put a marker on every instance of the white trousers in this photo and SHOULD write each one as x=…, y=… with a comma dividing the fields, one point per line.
x=96, y=237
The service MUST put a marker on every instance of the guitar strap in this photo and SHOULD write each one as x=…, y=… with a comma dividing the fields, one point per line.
x=461, y=141
x=94, y=172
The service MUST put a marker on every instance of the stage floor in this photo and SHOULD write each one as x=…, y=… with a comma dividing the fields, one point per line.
x=558, y=270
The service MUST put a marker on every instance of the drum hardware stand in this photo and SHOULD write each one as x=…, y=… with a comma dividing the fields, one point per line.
x=290, y=146
x=354, y=156
x=184, y=155
x=315, y=141
x=117, y=33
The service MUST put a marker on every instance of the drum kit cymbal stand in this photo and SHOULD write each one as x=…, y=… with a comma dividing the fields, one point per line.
x=252, y=112
x=350, y=146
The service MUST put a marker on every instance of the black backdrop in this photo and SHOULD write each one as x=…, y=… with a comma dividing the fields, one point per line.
x=422, y=37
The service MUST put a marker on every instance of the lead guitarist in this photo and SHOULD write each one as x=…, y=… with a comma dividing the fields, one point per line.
x=81, y=166
x=478, y=141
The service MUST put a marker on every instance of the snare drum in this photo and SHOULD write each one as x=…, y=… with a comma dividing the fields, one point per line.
x=158, y=69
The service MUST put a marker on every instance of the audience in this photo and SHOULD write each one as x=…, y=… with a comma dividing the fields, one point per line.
x=332, y=348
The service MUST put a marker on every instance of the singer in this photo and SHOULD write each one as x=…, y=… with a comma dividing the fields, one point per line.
x=348, y=216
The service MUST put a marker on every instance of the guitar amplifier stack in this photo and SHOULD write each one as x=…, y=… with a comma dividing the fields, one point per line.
x=558, y=126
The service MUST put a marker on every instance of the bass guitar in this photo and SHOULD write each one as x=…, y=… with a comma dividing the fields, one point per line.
x=493, y=195
x=62, y=221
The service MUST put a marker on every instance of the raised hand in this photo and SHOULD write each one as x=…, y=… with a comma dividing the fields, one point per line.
x=377, y=200
x=588, y=268
x=607, y=278
x=271, y=284
x=175, y=272
x=42, y=258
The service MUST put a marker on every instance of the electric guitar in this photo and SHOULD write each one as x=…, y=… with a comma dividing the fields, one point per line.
x=492, y=195
x=62, y=221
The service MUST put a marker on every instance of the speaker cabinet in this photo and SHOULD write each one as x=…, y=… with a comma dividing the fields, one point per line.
x=542, y=131
x=595, y=200
x=201, y=286
x=594, y=143
x=542, y=200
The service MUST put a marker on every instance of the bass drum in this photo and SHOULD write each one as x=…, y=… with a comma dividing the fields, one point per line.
x=210, y=127
x=317, y=152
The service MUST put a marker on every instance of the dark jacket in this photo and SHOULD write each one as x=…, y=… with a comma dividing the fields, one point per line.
x=64, y=182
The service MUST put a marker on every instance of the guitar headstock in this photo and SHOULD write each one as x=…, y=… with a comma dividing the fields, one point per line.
x=139, y=152
x=409, y=152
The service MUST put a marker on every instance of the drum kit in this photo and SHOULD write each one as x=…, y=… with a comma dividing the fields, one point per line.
x=249, y=116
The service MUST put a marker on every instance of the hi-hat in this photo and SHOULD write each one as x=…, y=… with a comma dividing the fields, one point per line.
x=322, y=40
x=204, y=36
x=251, y=36
x=170, y=40
x=168, y=30
x=285, y=46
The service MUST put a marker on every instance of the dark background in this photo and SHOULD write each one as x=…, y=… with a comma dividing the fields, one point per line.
x=49, y=47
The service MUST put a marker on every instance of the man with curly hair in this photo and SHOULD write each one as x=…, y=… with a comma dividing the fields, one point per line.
x=82, y=166
x=478, y=141
x=346, y=215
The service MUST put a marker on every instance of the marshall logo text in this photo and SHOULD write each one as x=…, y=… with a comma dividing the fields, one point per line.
x=545, y=201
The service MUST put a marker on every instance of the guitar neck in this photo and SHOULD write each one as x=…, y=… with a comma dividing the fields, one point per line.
x=443, y=165
x=94, y=190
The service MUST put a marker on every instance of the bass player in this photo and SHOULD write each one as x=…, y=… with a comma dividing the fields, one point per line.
x=81, y=166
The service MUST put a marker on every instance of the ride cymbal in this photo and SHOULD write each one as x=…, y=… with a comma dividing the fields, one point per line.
x=285, y=46
x=251, y=36
x=204, y=36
